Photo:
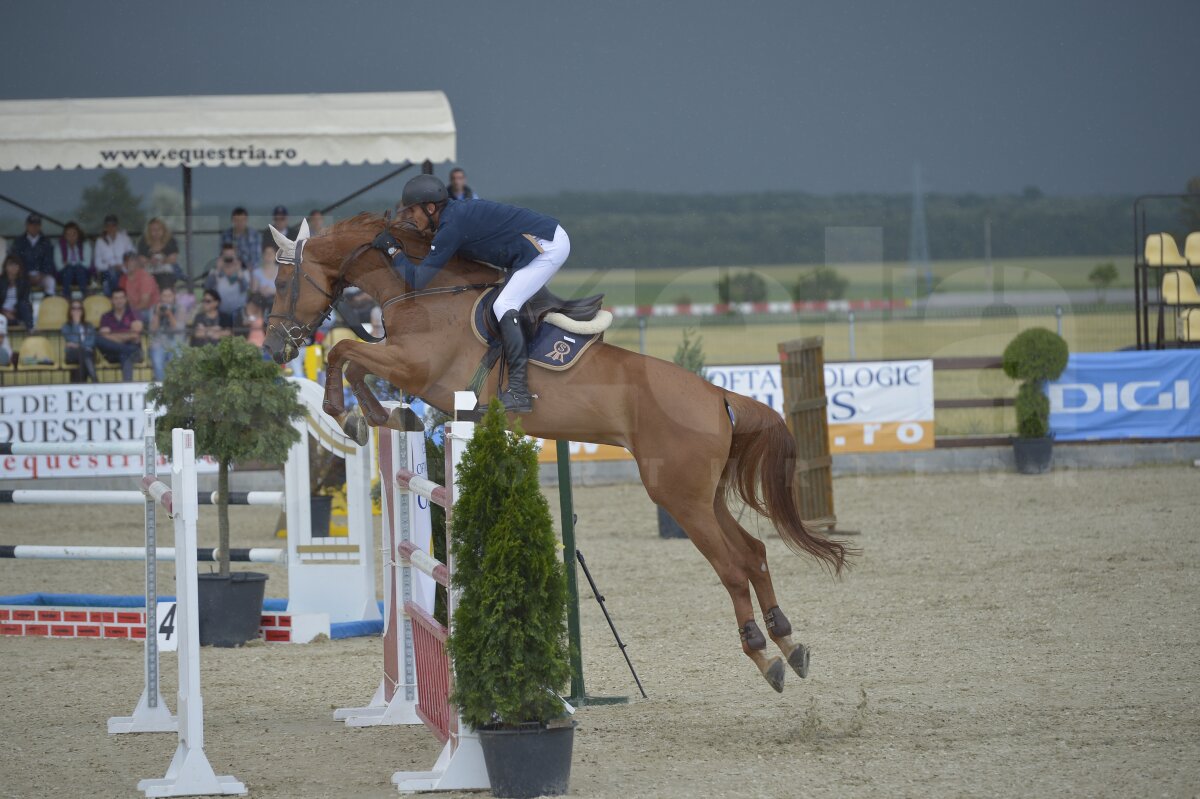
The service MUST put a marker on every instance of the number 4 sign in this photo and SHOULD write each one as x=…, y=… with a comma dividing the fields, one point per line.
x=167, y=640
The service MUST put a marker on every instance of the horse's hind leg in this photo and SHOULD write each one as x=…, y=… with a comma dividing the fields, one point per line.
x=755, y=566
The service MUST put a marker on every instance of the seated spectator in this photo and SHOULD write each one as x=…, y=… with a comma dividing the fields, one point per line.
x=262, y=279
x=279, y=220
x=37, y=254
x=253, y=322
x=73, y=257
x=5, y=349
x=458, y=188
x=210, y=325
x=79, y=342
x=110, y=250
x=316, y=221
x=120, y=337
x=15, y=304
x=114, y=278
x=159, y=246
x=141, y=288
x=230, y=282
x=246, y=242
x=168, y=323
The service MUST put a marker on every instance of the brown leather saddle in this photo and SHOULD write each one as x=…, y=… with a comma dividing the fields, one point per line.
x=543, y=302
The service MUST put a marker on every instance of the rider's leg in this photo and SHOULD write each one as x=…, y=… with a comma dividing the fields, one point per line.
x=521, y=285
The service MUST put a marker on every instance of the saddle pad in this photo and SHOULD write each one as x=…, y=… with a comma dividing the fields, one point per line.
x=550, y=347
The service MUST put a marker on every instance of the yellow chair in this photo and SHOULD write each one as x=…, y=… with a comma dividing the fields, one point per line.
x=1191, y=248
x=95, y=307
x=1178, y=288
x=1161, y=250
x=339, y=334
x=1187, y=326
x=52, y=314
x=36, y=353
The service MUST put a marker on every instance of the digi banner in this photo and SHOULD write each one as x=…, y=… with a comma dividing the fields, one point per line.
x=1115, y=395
x=874, y=406
x=62, y=414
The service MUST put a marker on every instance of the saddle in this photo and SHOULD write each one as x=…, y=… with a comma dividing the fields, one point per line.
x=541, y=305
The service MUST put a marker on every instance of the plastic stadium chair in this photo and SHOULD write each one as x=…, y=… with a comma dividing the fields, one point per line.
x=1179, y=289
x=36, y=353
x=95, y=307
x=1161, y=250
x=1191, y=248
x=1188, y=325
x=52, y=314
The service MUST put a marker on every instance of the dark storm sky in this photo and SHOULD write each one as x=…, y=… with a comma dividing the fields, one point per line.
x=1073, y=97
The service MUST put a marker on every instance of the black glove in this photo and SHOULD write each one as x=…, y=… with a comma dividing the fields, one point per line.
x=387, y=243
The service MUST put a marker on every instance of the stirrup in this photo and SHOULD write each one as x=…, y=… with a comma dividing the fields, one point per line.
x=516, y=403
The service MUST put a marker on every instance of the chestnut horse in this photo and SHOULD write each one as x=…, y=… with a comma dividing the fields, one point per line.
x=695, y=444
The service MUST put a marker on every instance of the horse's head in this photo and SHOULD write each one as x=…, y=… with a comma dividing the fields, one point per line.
x=305, y=293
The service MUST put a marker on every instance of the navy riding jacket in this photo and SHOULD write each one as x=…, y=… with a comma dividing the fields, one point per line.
x=482, y=230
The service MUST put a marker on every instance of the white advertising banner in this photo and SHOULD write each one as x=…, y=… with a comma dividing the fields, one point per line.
x=63, y=414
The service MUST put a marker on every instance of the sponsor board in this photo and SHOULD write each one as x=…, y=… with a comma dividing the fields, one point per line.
x=1115, y=395
x=63, y=414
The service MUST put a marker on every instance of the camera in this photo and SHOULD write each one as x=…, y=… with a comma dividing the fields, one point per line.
x=164, y=309
x=228, y=259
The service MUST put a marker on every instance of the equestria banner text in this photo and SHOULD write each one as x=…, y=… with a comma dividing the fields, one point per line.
x=70, y=413
x=874, y=406
x=1114, y=395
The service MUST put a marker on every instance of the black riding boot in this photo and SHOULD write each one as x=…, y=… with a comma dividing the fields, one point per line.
x=516, y=356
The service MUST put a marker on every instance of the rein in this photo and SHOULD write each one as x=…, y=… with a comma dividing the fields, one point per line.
x=298, y=335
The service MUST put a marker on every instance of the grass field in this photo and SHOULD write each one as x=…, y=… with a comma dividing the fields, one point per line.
x=872, y=280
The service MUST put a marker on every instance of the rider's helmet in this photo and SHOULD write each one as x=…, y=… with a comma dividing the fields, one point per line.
x=423, y=189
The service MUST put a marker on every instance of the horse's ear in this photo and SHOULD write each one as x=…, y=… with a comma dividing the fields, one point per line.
x=287, y=247
x=304, y=232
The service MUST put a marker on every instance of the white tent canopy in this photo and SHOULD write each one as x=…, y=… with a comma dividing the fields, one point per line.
x=229, y=130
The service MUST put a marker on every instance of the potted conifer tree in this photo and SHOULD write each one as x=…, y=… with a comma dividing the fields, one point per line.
x=241, y=409
x=690, y=356
x=509, y=636
x=1034, y=356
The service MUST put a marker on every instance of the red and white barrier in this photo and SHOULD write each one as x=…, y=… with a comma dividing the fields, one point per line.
x=417, y=676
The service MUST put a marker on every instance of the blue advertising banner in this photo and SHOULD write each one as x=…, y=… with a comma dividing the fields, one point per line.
x=1113, y=395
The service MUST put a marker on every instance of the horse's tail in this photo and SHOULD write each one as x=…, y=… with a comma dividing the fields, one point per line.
x=760, y=470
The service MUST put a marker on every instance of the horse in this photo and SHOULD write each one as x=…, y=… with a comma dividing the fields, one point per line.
x=696, y=445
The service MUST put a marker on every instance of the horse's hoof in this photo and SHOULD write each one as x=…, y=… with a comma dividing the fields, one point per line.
x=775, y=673
x=356, y=427
x=798, y=660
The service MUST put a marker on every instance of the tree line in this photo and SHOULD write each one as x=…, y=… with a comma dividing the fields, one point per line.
x=666, y=230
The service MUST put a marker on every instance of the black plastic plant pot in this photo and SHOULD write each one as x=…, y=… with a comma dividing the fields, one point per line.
x=320, y=511
x=668, y=527
x=230, y=608
x=1033, y=455
x=530, y=760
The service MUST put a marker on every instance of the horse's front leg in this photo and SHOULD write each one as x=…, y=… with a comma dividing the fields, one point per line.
x=356, y=373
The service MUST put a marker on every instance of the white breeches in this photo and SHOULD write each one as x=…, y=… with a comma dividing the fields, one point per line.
x=525, y=282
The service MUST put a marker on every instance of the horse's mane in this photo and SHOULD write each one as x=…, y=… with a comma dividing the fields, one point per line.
x=349, y=237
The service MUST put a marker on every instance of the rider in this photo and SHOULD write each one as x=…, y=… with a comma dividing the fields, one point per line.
x=533, y=246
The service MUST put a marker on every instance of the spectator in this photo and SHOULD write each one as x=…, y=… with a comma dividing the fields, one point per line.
x=73, y=257
x=316, y=221
x=210, y=325
x=37, y=253
x=230, y=282
x=110, y=250
x=159, y=246
x=458, y=188
x=168, y=323
x=14, y=293
x=356, y=306
x=141, y=288
x=5, y=349
x=262, y=280
x=247, y=242
x=120, y=338
x=114, y=278
x=279, y=220
x=252, y=320
x=79, y=340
